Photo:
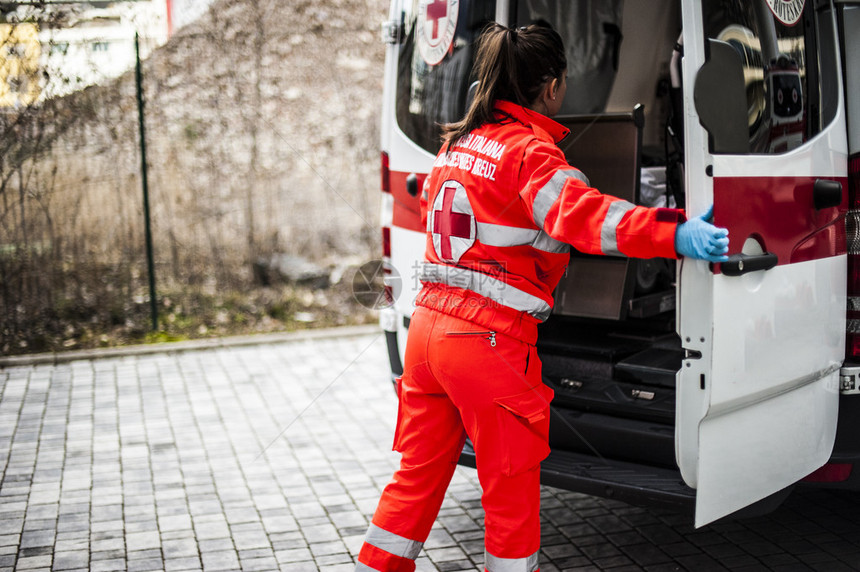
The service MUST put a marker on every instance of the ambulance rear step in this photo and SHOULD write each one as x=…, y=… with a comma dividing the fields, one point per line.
x=628, y=482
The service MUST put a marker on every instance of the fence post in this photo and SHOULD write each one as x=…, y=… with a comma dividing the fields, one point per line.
x=153, y=301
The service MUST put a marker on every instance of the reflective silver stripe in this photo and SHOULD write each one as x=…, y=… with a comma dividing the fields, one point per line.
x=548, y=194
x=608, y=236
x=486, y=286
x=501, y=235
x=496, y=564
x=548, y=244
x=393, y=543
x=359, y=567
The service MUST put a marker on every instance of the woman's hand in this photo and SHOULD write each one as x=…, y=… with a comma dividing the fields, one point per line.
x=698, y=238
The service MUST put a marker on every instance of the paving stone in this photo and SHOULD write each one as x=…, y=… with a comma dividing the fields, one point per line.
x=320, y=533
x=215, y=544
x=145, y=565
x=181, y=564
x=250, y=540
x=41, y=524
x=226, y=560
x=259, y=564
x=306, y=566
x=179, y=548
x=284, y=523
x=107, y=565
x=560, y=551
x=453, y=553
x=326, y=548
x=211, y=530
x=344, y=567
x=455, y=566
x=600, y=550
x=37, y=538
x=34, y=562
x=71, y=559
x=147, y=463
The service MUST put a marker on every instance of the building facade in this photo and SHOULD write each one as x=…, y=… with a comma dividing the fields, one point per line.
x=56, y=48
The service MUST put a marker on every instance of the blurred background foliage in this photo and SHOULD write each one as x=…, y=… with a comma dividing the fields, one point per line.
x=262, y=145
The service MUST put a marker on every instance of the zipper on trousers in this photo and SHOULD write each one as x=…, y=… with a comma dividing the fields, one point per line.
x=491, y=336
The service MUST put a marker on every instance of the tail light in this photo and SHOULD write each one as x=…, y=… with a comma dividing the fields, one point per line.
x=386, y=220
x=830, y=473
x=852, y=230
x=386, y=242
x=385, y=172
x=386, y=265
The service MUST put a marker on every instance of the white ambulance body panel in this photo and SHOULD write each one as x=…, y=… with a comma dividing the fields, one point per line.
x=405, y=243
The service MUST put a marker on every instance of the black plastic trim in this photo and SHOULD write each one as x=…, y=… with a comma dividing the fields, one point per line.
x=627, y=482
x=826, y=194
x=739, y=264
x=624, y=439
x=393, y=353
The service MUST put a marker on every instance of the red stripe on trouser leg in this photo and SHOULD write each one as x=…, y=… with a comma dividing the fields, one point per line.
x=383, y=561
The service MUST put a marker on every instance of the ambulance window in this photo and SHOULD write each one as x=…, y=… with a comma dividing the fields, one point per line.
x=827, y=57
x=780, y=67
x=435, y=64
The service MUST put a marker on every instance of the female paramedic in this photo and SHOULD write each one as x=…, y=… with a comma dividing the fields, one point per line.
x=502, y=207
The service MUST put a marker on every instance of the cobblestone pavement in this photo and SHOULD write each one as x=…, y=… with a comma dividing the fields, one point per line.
x=272, y=457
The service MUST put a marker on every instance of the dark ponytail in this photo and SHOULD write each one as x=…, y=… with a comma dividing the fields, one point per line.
x=511, y=64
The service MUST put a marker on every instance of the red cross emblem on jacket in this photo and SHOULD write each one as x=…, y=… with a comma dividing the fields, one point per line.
x=452, y=222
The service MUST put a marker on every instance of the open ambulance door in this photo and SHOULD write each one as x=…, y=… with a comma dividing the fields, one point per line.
x=764, y=334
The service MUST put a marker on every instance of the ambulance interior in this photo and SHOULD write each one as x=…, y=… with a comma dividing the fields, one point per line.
x=610, y=350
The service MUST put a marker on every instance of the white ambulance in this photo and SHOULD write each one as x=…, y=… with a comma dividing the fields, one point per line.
x=683, y=384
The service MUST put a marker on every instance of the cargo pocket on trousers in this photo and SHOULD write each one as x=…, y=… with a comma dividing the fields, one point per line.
x=524, y=426
x=398, y=433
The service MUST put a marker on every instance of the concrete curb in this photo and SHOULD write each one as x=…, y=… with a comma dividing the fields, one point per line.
x=190, y=345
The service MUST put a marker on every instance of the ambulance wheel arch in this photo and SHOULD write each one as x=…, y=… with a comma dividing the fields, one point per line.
x=757, y=395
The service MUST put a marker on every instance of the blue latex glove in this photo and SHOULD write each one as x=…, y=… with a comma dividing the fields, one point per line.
x=698, y=238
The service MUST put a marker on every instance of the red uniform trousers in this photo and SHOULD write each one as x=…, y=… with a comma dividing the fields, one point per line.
x=459, y=379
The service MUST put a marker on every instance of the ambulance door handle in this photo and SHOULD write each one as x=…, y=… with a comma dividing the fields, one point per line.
x=826, y=193
x=739, y=264
x=412, y=184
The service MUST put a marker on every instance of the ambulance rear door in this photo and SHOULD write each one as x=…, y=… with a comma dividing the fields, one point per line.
x=765, y=143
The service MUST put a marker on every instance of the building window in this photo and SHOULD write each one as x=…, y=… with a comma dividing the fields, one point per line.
x=60, y=48
x=100, y=46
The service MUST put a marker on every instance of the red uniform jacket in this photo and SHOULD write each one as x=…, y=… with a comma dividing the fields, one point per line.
x=501, y=207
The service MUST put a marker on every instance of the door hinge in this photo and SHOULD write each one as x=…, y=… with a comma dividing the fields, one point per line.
x=392, y=31
x=849, y=381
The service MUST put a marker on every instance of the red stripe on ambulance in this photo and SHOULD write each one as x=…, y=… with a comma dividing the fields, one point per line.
x=778, y=212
